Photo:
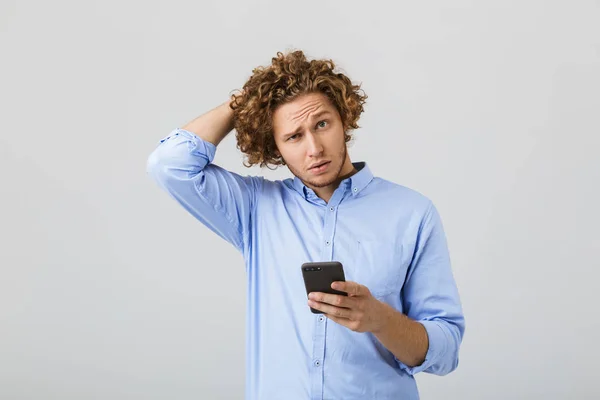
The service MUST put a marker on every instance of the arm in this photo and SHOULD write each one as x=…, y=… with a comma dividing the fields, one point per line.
x=181, y=164
x=214, y=125
x=428, y=337
x=404, y=337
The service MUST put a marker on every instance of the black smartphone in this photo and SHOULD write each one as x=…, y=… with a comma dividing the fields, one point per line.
x=318, y=277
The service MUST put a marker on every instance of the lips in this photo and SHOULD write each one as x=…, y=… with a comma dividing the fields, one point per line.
x=320, y=168
x=320, y=164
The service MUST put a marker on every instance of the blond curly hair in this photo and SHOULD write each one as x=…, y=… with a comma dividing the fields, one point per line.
x=289, y=76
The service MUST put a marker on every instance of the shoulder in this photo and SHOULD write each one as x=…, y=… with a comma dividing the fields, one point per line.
x=270, y=187
x=400, y=195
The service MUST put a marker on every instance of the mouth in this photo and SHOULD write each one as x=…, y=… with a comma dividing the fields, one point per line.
x=320, y=167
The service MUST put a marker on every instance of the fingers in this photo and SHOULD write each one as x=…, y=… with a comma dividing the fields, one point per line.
x=332, y=299
x=352, y=288
x=330, y=310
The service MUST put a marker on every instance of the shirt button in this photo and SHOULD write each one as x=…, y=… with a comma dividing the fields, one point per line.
x=321, y=318
x=331, y=209
x=317, y=363
x=327, y=242
x=355, y=189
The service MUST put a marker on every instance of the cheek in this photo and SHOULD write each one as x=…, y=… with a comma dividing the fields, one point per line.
x=293, y=157
x=335, y=142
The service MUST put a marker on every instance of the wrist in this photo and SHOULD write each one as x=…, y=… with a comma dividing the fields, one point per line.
x=385, y=315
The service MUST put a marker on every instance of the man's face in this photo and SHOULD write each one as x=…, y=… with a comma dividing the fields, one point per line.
x=309, y=132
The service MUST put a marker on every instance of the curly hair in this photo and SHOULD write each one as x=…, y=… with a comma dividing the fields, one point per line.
x=289, y=76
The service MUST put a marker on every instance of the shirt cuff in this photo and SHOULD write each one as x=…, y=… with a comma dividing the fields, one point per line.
x=437, y=347
x=196, y=145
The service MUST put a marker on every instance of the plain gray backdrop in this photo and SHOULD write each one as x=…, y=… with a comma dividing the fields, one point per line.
x=110, y=290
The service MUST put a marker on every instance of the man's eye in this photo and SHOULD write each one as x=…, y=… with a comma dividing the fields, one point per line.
x=320, y=124
x=291, y=137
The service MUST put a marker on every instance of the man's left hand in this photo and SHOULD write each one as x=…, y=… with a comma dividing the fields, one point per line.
x=359, y=311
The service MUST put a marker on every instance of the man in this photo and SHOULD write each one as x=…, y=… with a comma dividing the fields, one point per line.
x=402, y=314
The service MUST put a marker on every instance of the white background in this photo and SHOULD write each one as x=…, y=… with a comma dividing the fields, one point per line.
x=489, y=108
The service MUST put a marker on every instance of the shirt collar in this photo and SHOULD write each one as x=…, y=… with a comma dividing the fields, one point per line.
x=355, y=183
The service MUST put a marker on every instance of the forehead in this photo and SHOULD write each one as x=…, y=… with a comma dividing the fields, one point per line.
x=293, y=113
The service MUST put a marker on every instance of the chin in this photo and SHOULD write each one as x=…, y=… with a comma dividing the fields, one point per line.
x=322, y=180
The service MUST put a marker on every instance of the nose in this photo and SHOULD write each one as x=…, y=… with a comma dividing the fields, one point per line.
x=315, y=148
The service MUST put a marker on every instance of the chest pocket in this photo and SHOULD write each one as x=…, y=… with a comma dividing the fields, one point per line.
x=379, y=265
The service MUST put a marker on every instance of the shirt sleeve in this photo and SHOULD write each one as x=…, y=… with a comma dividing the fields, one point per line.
x=222, y=200
x=430, y=296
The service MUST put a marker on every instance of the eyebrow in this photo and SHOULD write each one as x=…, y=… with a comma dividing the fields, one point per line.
x=315, y=116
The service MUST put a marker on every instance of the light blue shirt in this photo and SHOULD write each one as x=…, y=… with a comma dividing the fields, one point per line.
x=388, y=237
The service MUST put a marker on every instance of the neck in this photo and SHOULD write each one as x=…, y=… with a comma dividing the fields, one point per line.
x=347, y=171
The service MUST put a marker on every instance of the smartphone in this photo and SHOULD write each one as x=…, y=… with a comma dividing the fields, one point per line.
x=318, y=277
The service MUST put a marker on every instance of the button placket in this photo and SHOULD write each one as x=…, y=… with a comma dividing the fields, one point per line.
x=320, y=328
